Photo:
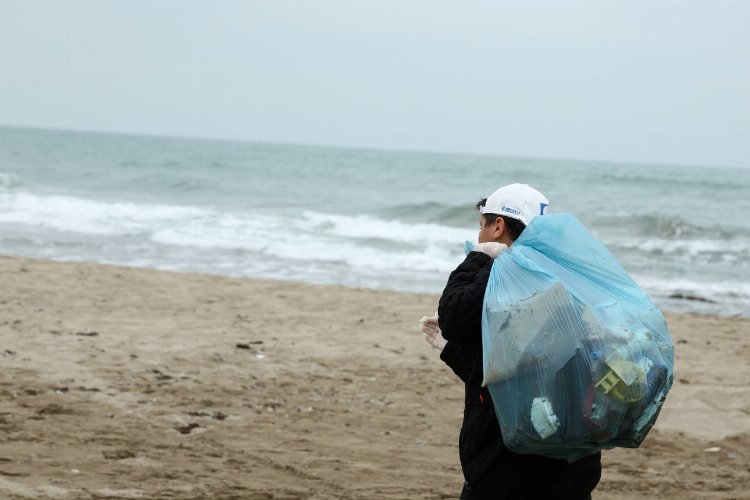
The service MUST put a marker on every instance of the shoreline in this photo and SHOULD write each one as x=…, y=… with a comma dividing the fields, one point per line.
x=680, y=297
x=131, y=382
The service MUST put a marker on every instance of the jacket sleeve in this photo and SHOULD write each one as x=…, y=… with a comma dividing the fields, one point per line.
x=460, y=307
x=454, y=355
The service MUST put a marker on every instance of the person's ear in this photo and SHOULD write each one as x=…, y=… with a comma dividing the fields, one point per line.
x=499, y=229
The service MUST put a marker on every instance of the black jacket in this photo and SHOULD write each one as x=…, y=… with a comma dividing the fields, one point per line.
x=481, y=447
x=460, y=320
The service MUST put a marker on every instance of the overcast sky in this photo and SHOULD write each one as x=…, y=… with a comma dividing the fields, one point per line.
x=647, y=81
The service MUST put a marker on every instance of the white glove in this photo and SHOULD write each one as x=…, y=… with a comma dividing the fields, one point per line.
x=491, y=248
x=431, y=331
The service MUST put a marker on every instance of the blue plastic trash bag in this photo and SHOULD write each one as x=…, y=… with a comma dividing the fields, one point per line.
x=576, y=356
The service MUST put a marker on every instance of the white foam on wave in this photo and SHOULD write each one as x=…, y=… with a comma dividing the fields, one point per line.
x=363, y=227
x=355, y=250
x=362, y=258
x=730, y=298
x=733, y=290
x=694, y=247
x=85, y=216
x=690, y=247
x=361, y=243
x=316, y=237
x=217, y=230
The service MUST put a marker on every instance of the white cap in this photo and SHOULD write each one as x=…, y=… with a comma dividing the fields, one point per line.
x=518, y=201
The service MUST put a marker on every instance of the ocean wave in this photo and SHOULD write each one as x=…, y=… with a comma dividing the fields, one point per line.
x=325, y=238
x=727, y=249
x=9, y=180
x=359, y=242
x=664, y=226
x=188, y=185
x=87, y=216
x=726, y=298
x=450, y=215
x=292, y=212
x=363, y=226
x=163, y=184
x=726, y=289
x=354, y=250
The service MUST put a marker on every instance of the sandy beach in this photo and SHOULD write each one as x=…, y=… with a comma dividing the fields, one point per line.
x=132, y=383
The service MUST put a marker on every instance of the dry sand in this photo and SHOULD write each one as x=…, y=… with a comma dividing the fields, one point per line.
x=132, y=383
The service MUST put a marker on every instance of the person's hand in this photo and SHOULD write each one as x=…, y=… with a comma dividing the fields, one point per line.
x=491, y=248
x=431, y=332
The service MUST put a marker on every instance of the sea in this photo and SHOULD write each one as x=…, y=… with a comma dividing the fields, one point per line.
x=393, y=220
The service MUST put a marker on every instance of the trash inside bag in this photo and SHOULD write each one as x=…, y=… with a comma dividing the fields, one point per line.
x=576, y=356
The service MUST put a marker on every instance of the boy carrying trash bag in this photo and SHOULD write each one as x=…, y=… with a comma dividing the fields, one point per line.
x=561, y=353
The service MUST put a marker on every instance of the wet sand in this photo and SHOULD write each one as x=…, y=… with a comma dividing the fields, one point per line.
x=133, y=383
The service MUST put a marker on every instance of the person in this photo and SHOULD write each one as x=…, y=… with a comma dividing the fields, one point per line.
x=491, y=471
